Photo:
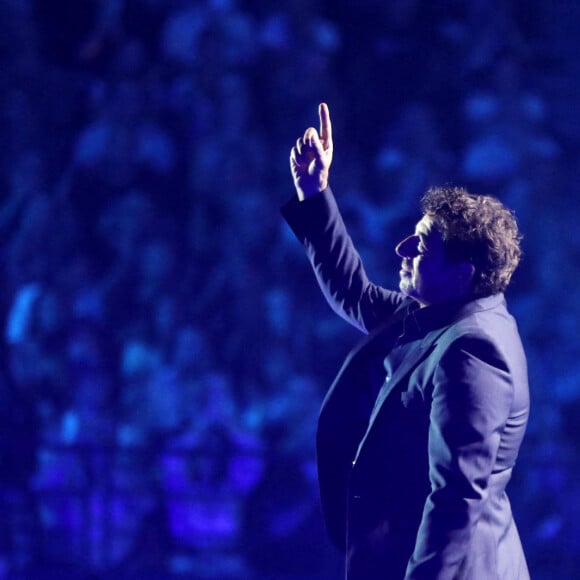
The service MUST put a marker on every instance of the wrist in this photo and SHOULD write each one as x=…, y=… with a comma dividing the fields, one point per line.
x=307, y=192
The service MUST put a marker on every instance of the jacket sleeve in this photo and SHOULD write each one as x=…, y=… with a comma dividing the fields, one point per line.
x=471, y=400
x=318, y=225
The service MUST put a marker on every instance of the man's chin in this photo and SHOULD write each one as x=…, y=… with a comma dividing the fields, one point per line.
x=408, y=291
x=405, y=288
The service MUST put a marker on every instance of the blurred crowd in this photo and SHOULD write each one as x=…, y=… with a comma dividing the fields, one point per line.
x=165, y=350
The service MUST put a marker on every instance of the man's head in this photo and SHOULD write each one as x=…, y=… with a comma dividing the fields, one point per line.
x=465, y=245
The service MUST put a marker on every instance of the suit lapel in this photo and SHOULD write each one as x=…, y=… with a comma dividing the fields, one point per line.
x=409, y=363
x=376, y=344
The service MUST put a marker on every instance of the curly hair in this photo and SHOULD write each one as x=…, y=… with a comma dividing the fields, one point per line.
x=478, y=229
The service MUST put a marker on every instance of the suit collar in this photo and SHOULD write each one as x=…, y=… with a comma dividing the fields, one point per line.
x=424, y=320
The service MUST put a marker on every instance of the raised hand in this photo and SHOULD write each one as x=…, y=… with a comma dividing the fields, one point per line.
x=311, y=157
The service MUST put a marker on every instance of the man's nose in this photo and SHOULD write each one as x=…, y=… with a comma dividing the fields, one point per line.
x=407, y=248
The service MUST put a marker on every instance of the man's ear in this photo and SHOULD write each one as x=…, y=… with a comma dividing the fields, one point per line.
x=466, y=272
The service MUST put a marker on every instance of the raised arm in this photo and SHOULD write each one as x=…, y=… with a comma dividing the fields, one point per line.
x=316, y=221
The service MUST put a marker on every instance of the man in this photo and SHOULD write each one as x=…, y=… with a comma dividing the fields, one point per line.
x=419, y=433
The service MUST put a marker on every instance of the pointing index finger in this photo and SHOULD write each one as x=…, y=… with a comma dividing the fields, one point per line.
x=325, y=125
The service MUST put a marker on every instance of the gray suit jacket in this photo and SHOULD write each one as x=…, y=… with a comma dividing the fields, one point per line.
x=414, y=457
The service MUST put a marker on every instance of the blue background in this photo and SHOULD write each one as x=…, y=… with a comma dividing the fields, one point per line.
x=165, y=349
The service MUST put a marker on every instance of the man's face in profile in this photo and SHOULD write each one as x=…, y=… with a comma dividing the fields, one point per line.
x=426, y=274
